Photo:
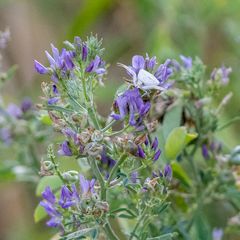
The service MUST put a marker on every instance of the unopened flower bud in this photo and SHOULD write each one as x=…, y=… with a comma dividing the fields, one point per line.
x=69, y=45
x=97, y=136
x=46, y=89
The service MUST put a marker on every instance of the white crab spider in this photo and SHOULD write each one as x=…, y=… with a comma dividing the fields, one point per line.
x=144, y=79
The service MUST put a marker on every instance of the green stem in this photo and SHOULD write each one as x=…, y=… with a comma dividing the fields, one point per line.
x=107, y=227
x=142, y=216
x=228, y=123
x=110, y=233
x=115, y=168
x=58, y=171
x=99, y=177
x=108, y=126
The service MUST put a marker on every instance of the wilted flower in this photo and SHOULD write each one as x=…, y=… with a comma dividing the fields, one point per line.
x=131, y=104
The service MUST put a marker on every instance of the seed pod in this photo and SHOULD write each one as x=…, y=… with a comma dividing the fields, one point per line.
x=71, y=176
x=93, y=149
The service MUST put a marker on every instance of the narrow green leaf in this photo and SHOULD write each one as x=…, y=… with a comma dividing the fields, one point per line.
x=54, y=182
x=79, y=233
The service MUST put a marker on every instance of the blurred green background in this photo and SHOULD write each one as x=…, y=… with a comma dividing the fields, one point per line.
x=205, y=28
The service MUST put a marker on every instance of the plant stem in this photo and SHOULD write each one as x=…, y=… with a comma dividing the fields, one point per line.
x=107, y=227
x=138, y=223
x=115, y=168
x=110, y=233
x=99, y=177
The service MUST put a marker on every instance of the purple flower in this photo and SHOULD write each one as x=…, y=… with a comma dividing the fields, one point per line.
x=131, y=104
x=225, y=73
x=49, y=205
x=54, y=89
x=157, y=155
x=155, y=144
x=187, y=62
x=64, y=149
x=14, y=111
x=140, y=152
x=48, y=195
x=134, y=177
x=143, y=74
x=221, y=74
x=84, y=52
x=106, y=160
x=26, y=104
x=205, y=152
x=53, y=100
x=66, y=199
x=87, y=186
x=40, y=68
x=96, y=65
x=217, y=234
x=6, y=136
x=168, y=172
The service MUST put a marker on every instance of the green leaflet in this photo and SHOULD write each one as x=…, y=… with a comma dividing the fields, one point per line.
x=54, y=182
x=39, y=213
x=176, y=142
x=180, y=174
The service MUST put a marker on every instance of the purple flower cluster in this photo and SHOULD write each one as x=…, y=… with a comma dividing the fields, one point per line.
x=131, y=104
x=17, y=112
x=150, y=151
x=69, y=197
x=146, y=75
x=63, y=64
x=150, y=183
x=167, y=173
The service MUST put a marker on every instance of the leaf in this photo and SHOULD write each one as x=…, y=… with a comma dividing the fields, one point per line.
x=54, y=182
x=176, y=141
x=172, y=119
x=45, y=119
x=80, y=233
x=126, y=216
x=88, y=14
x=39, y=213
x=179, y=173
x=202, y=228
